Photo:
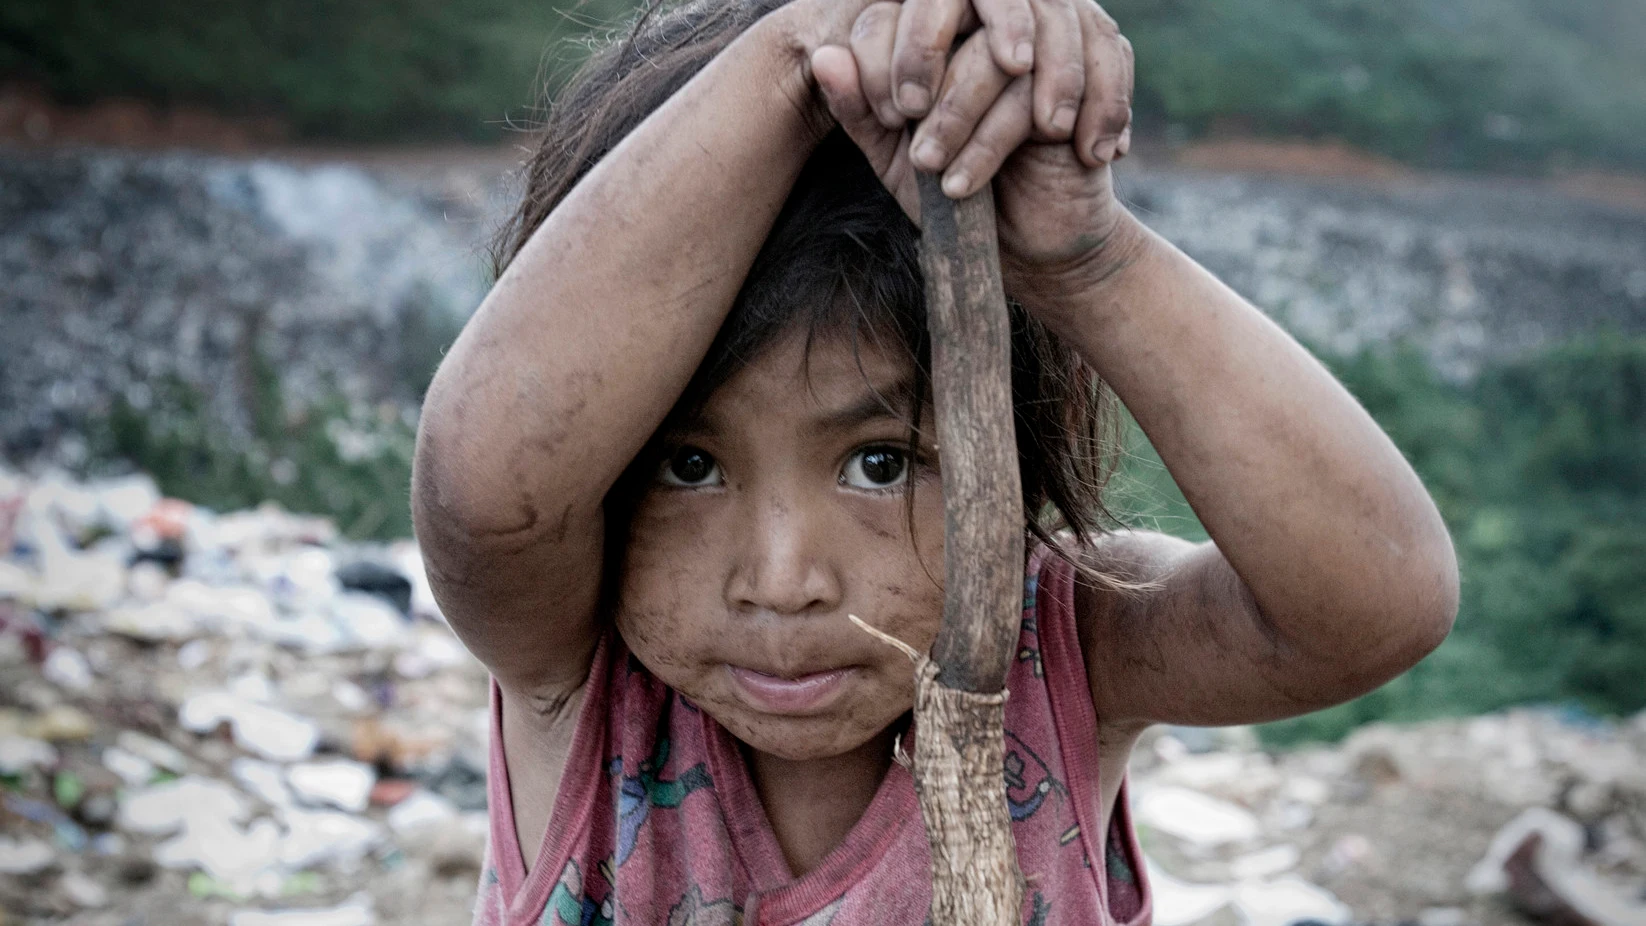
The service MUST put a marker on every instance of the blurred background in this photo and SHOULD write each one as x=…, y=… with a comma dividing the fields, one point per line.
x=236, y=237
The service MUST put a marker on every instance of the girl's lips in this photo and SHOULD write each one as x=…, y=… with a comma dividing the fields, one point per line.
x=778, y=695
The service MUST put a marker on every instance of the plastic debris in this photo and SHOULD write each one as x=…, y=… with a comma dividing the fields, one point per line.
x=67, y=669
x=82, y=891
x=25, y=857
x=259, y=728
x=1194, y=817
x=165, y=807
x=419, y=812
x=340, y=783
x=317, y=837
x=190, y=725
x=18, y=754
x=264, y=779
x=1537, y=861
x=356, y=912
x=377, y=579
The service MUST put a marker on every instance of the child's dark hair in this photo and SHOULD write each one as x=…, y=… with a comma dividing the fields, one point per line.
x=842, y=259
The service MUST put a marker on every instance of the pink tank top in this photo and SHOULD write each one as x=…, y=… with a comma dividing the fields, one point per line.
x=658, y=822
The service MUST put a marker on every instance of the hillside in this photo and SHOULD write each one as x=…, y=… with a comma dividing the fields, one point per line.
x=1455, y=83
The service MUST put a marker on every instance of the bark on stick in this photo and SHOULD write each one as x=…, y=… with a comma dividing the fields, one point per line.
x=959, y=690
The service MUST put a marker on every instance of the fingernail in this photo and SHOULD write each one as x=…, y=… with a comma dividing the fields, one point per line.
x=890, y=117
x=1023, y=54
x=956, y=184
x=1104, y=150
x=928, y=154
x=912, y=97
x=1063, y=118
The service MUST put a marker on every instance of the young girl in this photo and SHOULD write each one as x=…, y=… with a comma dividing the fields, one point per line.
x=687, y=434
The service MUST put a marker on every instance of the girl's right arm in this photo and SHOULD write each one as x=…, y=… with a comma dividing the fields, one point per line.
x=588, y=338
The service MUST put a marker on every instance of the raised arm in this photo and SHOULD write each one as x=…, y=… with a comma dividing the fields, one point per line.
x=1329, y=571
x=588, y=338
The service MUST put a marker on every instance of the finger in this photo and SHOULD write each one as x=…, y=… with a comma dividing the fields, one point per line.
x=971, y=85
x=925, y=33
x=1009, y=25
x=1106, y=110
x=1003, y=129
x=872, y=37
x=836, y=73
x=1059, y=68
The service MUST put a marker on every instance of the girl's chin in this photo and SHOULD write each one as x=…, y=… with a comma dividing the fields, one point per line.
x=806, y=739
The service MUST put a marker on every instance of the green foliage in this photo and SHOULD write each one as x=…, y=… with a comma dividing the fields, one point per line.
x=1472, y=83
x=352, y=69
x=1468, y=83
x=1539, y=467
x=350, y=463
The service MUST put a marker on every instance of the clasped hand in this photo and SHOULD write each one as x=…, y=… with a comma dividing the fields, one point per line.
x=1034, y=95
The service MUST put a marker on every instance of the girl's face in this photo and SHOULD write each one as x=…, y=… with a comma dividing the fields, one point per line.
x=776, y=513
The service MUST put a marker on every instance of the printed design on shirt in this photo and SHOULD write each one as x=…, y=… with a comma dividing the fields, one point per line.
x=569, y=906
x=1040, y=910
x=1119, y=867
x=692, y=910
x=1029, y=650
x=1028, y=779
x=646, y=788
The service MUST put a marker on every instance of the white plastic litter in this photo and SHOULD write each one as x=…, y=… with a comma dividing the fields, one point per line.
x=367, y=621
x=1287, y=901
x=263, y=779
x=133, y=769
x=1561, y=835
x=124, y=500
x=340, y=783
x=1267, y=863
x=357, y=911
x=419, y=812
x=68, y=669
x=1193, y=817
x=165, y=807
x=24, y=857
x=82, y=891
x=434, y=651
x=16, y=583
x=222, y=849
x=316, y=837
x=154, y=622
x=164, y=755
x=259, y=728
x=1179, y=903
x=18, y=754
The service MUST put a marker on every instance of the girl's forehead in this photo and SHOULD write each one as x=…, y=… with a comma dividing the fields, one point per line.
x=832, y=377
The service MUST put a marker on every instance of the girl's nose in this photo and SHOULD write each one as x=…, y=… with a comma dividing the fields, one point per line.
x=782, y=564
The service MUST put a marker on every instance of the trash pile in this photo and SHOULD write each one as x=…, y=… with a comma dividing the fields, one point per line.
x=1532, y=816
x=226, y=718
x=239, y=718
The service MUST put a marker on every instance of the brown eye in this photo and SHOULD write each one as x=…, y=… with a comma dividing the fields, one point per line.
x=689, y=467
x=876, y=468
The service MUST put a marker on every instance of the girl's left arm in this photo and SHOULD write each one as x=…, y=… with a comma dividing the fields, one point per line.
x=1329, y=571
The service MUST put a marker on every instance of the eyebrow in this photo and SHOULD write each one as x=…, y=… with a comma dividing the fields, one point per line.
x=894, y=402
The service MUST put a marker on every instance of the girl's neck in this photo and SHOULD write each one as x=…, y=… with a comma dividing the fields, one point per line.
x=812, y=804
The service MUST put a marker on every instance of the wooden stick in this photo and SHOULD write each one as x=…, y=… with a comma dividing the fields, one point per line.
x=959, y=691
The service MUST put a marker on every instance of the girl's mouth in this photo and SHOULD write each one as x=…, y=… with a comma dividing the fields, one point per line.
x=774, y=694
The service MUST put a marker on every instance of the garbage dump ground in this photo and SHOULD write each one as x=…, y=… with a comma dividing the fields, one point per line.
x=239, y=718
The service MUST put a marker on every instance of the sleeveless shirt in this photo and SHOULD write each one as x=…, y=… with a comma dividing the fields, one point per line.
x=658, y=822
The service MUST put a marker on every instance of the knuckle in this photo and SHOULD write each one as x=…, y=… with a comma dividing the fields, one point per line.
x=1103, y=19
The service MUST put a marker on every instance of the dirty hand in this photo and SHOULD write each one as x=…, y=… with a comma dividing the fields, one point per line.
x=1054, y=193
